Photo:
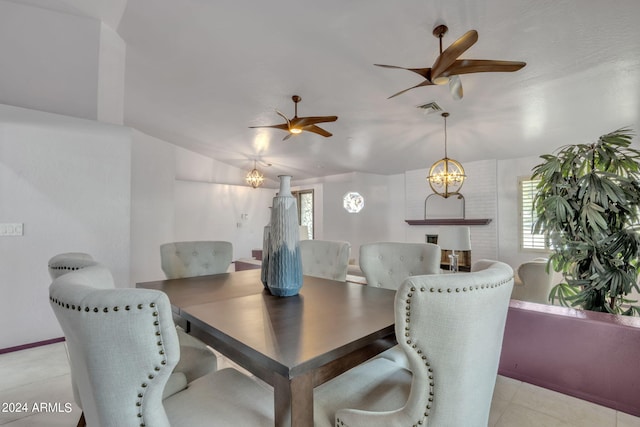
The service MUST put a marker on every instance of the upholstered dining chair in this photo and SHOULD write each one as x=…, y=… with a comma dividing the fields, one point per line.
x=196, y=358
x=67, y=262
x=123, y=347
x=535, y=282
x=450, y=326
x=197, y=258
x=328, y=259
x=388, y=264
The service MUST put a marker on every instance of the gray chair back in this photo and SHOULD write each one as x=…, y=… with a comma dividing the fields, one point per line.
x=388, y=264
x=327, y=259
x=451, y=327
x=69, y=261
x=536, y=282
x=122, y=347
x=198, y=258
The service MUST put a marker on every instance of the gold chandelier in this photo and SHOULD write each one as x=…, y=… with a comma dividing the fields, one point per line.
x=446, y=176
x=255, y=178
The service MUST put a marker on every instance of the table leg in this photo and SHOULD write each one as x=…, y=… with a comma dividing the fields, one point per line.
x=293, y=401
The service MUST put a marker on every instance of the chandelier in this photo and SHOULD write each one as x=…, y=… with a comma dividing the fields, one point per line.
x=446, y=176
x=254, y=177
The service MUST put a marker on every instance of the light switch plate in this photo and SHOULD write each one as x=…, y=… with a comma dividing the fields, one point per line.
x=11, y=229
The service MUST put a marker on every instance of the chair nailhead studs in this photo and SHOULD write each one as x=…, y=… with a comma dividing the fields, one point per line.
x=95, y=309
x=139, y=306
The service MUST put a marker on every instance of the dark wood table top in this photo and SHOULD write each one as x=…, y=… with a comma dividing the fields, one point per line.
x=202, y=289
x=293, y=343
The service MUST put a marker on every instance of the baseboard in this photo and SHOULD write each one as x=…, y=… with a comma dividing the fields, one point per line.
x=30, y=345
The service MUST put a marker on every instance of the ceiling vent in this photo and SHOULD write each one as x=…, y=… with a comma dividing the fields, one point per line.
x=430, y=107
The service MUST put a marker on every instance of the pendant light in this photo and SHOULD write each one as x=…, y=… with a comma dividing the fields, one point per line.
x=255, y=178
x=446, y=176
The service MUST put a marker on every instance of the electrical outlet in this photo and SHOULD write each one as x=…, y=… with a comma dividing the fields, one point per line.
x=11, y=229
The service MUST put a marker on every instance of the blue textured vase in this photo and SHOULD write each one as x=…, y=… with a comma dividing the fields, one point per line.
x=284, y=275
x=264, y=269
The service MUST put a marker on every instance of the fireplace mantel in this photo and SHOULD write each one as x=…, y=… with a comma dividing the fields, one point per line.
x=449, y=221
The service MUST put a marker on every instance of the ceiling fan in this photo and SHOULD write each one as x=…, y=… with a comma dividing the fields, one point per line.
x=296, y=124
x=447, y=67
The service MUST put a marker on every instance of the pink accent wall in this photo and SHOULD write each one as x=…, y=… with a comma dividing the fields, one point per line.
x=592, y=356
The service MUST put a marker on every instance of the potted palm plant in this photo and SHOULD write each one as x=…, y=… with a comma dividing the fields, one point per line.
x=587, y=207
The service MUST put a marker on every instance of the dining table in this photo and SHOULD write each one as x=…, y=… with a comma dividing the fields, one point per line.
x=292, y=343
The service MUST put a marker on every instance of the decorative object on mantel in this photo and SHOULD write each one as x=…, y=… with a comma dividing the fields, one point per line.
x=446, y=176
x=284, y=275
x=353, y=202
x=255, y=178
x=457, y=238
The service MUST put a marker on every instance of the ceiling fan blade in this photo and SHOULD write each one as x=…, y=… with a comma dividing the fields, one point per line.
x=318, y=130
x=424, y=72
x=468, y=66
x=305, y=121
x=287, y=136
x=283, y=126
x=455, y=87
x=450, y=54
x=424, y=83
x=286, y=119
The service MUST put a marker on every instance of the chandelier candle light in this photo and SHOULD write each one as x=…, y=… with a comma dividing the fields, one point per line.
x=446, y=176
x=255, y=178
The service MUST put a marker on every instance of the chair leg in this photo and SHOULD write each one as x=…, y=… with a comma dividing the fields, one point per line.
x=81, y=421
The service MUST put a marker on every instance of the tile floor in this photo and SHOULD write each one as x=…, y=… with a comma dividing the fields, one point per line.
x=41, y=375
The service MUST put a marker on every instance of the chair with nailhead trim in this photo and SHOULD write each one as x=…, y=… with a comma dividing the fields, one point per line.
x=199, y=258
x=196, y=358
x=123, y=346
x=451, y=327
x=388, y=264
x=69, y=261
x=327, y=259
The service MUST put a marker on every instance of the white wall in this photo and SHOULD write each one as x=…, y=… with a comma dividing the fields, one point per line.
x=111, y=65
x=68, y=181
x=379, y=220
x=179, y=195
x=211, y=211
x=49, y=60
x=153, y=168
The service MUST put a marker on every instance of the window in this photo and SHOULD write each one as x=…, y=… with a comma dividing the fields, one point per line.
x=528, y=240
x=305, y=210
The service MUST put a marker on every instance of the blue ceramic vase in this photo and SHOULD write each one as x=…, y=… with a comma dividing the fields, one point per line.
x=264, y=269
x=284, y=275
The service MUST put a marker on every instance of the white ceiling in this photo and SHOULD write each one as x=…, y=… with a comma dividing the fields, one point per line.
x=200, y=72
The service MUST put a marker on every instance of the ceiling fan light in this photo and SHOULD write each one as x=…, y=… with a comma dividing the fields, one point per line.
x=295, y=130
x=442, y=80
